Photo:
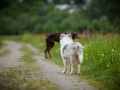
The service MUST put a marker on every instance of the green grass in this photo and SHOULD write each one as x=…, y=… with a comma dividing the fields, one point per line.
x=1, y=44
x=102, y=61
x=28, y=54
x=4, y=53
x=101, y=64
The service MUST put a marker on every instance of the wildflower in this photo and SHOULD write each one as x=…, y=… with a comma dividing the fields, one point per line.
x=112, y=50
x=103, y=55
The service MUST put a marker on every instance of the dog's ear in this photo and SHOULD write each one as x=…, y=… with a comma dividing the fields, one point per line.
x=62, y=35
x=46, y=35
x=70, y=36
x=74, y=35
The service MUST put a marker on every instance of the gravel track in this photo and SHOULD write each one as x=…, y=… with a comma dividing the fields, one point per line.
x=12, y=59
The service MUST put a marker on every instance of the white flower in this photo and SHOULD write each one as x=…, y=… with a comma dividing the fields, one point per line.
x=86, y=54
x=116, y=51
x=103, y=55
x=112, y=50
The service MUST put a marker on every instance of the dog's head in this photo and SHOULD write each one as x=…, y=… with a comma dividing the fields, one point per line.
x=74, y=35
x=65, y=35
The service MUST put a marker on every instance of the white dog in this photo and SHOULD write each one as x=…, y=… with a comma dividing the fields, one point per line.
x=70, y=52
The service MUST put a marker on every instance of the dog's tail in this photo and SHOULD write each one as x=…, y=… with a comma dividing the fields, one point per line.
x=79, y=48
x=46, y=35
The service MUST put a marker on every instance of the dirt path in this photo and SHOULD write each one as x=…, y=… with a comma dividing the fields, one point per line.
x=50, y=71
x=12, y=59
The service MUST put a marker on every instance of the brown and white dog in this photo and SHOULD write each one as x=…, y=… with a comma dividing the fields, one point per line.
x=51, y=39
x=71, y=52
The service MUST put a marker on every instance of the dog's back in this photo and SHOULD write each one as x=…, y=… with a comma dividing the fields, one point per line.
x=73, y=51
x=55, y=37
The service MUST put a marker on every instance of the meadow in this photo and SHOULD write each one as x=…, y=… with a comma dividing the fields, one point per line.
x=101, y=64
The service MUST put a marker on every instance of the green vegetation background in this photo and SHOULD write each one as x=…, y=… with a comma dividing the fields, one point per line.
x=38, y=16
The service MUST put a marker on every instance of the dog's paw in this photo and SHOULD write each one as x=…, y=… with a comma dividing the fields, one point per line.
x=70, y=73
x=63, y=72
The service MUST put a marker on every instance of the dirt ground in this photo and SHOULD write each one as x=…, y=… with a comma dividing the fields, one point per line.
x=50, y=70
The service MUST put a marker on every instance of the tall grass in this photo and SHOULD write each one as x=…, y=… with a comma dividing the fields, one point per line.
x=102, y=59
x=1, y=44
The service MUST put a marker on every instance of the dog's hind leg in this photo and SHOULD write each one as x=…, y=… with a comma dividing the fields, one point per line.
x=46, y=50
x=78, y=66
x=72, y=68
x=46, y=53
x=78, y=69
x=49, y=48
x=65, y=66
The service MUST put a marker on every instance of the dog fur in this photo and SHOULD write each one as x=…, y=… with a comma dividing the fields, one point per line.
x=50, y=41
x=71, y=52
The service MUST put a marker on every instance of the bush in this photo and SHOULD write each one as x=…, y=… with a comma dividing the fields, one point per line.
x=82, y=25
x=49, y=27
x=38, y=28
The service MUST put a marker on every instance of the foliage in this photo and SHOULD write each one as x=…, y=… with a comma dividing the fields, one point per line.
x=104, y=8
x=38, y=16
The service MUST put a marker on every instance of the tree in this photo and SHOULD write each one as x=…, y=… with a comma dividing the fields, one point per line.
x=108, y=8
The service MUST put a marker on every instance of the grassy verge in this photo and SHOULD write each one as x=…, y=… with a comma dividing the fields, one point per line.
x=101, y=64
x=1, y=44
x=25, y=77
x=101, y=61
x=28, y=55
x=4, y=53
